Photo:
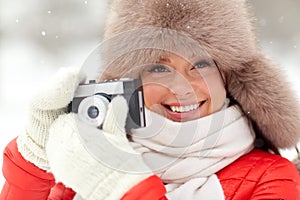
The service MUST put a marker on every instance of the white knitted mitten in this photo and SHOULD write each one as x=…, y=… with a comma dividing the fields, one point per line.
x=97, y=164
x=47, y=103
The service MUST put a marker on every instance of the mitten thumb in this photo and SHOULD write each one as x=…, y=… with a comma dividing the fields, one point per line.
x=115, y=119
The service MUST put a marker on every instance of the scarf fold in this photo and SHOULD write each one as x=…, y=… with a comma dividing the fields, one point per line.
x=186, y=155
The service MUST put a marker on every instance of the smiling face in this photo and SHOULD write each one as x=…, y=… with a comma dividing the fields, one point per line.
x=183, y=90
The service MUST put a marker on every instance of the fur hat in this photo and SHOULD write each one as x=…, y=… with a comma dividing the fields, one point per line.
x=138, y=30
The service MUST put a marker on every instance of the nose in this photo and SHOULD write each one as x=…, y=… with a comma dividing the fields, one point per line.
x=181, y=85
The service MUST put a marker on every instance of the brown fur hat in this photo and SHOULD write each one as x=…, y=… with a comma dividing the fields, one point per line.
x=137, y=31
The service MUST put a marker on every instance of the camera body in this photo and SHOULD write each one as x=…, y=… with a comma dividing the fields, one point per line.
x=90, y=101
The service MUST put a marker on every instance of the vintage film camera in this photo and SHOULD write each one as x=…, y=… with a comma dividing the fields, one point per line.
x=90, y=101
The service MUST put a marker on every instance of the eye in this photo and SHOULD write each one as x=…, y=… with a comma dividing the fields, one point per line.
x=201, y=64
x=158, y=68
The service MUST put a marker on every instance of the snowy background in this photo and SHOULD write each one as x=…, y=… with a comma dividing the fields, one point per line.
x=38, y=37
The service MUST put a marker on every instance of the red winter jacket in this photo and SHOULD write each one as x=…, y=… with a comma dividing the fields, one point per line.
x=257, y=175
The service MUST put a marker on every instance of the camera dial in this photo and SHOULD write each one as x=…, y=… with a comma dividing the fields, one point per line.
x=92, y=110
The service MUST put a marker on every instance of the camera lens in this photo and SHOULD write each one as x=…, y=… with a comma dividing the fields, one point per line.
x=93, y=112
x=92, y=109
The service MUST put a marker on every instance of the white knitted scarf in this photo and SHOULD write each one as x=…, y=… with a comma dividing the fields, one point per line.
x=186, y=155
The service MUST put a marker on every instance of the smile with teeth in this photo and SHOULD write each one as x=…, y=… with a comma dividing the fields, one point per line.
x=188, y=108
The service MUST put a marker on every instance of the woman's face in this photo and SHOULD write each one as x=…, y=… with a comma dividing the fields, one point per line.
x=182, y=90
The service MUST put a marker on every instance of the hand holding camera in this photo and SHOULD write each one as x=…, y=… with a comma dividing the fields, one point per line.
x=47, y=103
x=66, y=92
x=96, y=163
x=88, y=149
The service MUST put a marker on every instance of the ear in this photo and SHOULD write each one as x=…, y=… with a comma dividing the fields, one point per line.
x=261, y=89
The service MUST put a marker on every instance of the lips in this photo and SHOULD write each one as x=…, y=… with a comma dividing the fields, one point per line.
x=185, y=108
x=182, y=109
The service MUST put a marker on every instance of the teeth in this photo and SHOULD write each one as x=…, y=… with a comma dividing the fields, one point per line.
x=184, y=108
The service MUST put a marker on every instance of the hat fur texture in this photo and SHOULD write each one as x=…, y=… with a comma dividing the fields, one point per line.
x=224, y=29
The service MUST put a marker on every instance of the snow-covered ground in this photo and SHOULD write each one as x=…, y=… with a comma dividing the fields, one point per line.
x=53, y=40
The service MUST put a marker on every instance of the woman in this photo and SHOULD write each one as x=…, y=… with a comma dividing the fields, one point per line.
x=216, y=107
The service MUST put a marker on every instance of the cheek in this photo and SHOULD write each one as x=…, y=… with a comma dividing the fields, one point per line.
x=216, y=91
x=153, y=94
